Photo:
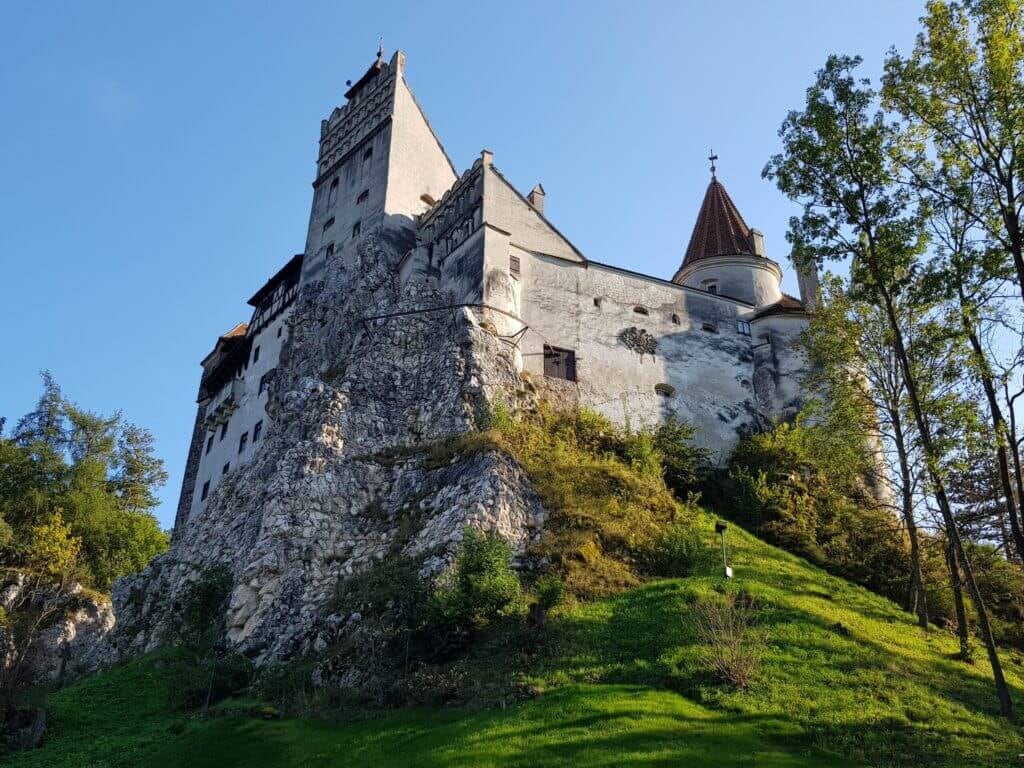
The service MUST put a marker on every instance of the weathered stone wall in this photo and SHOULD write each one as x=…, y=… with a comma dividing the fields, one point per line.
x=335, y=484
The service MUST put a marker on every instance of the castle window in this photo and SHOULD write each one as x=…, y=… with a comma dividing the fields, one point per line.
x=665, y=390
x=711, y=286
x=256, y=355
x=641, y=310
x=265, y=380
x=257, y=430
x=209, y=444
x=597, y=302
x=330, y=251
x=514, y=266
x=368, y=154
x=709, y=327
x=743, y=327
x=206, y=491
x=243, y=441
x=223, y=430
x=279, y=329
x=357, y=228
x=559, y=363
x=362, y=197
x=675, y=319
x=225, y=469
x=765, y=338
x=329, y=223
x=332, y=193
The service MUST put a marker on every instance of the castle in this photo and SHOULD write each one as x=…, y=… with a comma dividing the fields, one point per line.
x=713, y=344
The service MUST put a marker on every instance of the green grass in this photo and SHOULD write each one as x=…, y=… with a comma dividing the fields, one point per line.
x=623, y=684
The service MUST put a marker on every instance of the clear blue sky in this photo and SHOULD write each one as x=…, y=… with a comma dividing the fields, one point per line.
x=156, y=160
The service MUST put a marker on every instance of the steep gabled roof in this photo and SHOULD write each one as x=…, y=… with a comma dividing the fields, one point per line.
x=720, y=229
x=787, y=305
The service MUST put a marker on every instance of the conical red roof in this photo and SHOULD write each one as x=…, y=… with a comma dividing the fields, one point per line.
x=720, y=230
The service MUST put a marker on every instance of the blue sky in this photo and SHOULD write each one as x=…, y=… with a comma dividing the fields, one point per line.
x=156, y=159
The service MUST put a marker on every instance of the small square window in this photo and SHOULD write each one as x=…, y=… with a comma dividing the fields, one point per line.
x=206, y=491
x=209, y=444
x=559, y=363
x=362, y=197
x=514, y=265
x=257, y=430
x=256, y=355
x=709, y=327
x=223, y=430
x=743, y=327
x=243, y=441
x=357, y=228
x=329, y=223
x=227, y=466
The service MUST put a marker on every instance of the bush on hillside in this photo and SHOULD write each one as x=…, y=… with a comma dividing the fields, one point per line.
x=735, y=645
x=482, y=587
x=676, y=550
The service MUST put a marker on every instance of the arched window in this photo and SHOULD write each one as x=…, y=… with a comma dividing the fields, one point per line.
x=710, y=285
x=675, y=319
x=332, y=193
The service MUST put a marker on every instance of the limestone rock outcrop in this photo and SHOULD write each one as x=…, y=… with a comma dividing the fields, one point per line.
x=373, y=373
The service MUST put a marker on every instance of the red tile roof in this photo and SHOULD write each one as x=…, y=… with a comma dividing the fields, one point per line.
x=720, y=229
x=784, y=306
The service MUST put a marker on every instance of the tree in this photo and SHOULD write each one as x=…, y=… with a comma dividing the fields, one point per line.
x=960, y=92
x=836, y=161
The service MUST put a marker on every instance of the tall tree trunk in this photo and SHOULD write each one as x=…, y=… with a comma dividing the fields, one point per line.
x=998, y=424
x=917, y=602
x=932, y=459
x=962, y=629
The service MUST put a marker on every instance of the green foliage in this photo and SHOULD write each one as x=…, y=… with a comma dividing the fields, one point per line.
x=803, y=491
x=676, y=550
x=98, y=472
x=482, y=588
x=208, y=679
x=202, y=608
x=604, y=490
x=550, y=590
x=52, y=550
x=391, y=589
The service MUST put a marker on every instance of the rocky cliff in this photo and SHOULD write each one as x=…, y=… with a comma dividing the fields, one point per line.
x=372, y=371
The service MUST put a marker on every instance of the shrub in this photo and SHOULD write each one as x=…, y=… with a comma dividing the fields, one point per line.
x=550, y=591
x=683, y=463
x=735, y=646
x=677, y=550
x=207, y=679
x=391, y=589
x=202, y=608
x=482, y=587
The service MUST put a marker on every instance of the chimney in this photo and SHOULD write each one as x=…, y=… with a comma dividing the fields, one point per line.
x=758, y=238
x=536, y=198
x=486, y=157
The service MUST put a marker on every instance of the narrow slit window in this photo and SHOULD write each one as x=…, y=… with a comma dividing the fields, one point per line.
x=330, y=250
x=227, y=466
x=243, y=441
x=256, y=355
x=641, y=310
x=257, y=431
x=357, y=228
x=514, y=266
x=559, y=363
x=209, y=444
x=206, y=491
x=332, y=193
x=363, y=196
x=709, y=327
x=329, y=223
x=675, y=319
x=223, y=430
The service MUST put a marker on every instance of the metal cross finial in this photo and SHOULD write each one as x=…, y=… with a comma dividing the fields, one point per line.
x=380, y=47
x=712, y=157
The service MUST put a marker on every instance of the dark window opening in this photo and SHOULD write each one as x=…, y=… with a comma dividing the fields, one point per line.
x=641, y=310
x=209, y=444
x=223, y=430
x=743, y=327
x=368, y=154
x=265, y=380
x=330, y=250
x=279, y=329
x=597, y=302
x=362, y=197
x=206, y=491
x=357, y=228
x=256, y=355
x=765, y=338
x=329, y=223
x=332, y=194
x=559, y=363
x=675, y=319
x=227, y=466
x=257, y=430
x=665, y=390
x=514, y=265
x=713, y=289
x=709, y=327
x=243, y=441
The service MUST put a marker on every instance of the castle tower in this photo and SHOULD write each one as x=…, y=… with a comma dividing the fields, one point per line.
x=727, y=257
x=380, y=165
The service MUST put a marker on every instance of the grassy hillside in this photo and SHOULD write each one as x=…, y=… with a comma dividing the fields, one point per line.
x=624, y=683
